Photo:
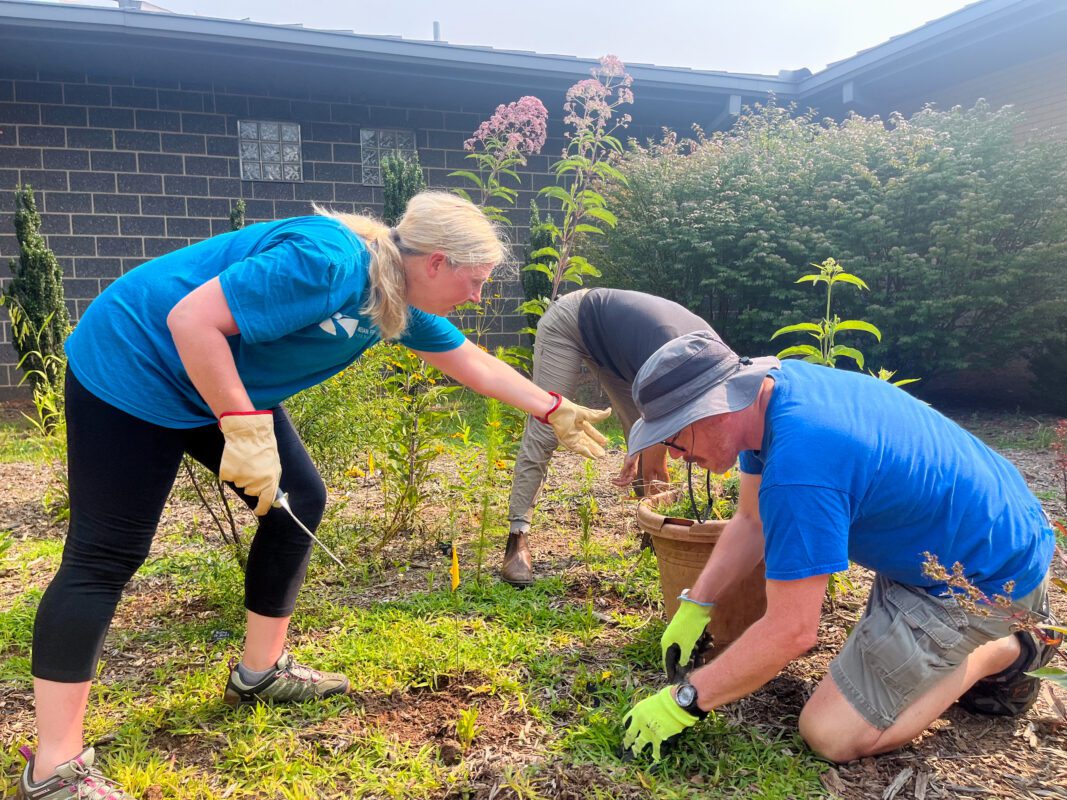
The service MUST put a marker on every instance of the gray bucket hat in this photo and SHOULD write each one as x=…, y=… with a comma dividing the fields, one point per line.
x=691, y=377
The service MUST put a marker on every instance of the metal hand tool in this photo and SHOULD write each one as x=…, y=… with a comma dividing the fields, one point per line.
x=281, y=500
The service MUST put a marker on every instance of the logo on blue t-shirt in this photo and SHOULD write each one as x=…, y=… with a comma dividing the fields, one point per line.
x=350, y=325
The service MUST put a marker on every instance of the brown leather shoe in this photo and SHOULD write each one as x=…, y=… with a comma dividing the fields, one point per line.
x=517, y=568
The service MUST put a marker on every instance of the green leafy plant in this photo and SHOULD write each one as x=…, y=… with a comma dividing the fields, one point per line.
x=722, y=502
x=341, y=420
x=414, y=424
x=587, y=507
x=48, y=421
x=499, y=146
x=827, y=351
x=484, y=451
x=237, y=216
x=402, y=179
x=536, y=282
x=587, y=163
x=491, y=484
x=43, y=370
x=467, y=727
x=36, y=290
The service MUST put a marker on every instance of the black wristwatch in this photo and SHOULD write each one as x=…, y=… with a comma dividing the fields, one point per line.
x=686, y=698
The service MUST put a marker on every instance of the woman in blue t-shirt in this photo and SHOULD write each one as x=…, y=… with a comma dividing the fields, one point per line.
x=192, y=353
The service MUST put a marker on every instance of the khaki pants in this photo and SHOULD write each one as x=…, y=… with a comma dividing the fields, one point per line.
x=559, y=353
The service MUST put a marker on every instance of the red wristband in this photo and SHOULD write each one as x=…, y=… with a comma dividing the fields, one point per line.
x=544, y=420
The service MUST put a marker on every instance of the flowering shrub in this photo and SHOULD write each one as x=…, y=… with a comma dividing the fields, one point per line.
x=591, y=111
x=957, y=224
x=500, y=145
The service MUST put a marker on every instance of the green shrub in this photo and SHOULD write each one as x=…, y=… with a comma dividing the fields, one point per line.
x=958, y=226
x=340, y=420
x=237, y=216
x=402, y=179
x=36, y=292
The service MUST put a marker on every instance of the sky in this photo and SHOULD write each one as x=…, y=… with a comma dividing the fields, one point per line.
x=756, y=36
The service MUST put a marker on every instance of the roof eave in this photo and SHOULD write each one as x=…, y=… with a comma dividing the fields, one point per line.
x=216, y=32
x=909, y=44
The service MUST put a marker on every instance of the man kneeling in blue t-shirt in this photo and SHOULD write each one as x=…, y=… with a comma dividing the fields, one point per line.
x=839, y=466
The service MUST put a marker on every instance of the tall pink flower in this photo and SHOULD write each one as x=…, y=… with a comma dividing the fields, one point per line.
x=518, y=129
x=611, y=66
x=591, y=103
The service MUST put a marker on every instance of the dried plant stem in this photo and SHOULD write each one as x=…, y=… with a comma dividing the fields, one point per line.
x=228, y=532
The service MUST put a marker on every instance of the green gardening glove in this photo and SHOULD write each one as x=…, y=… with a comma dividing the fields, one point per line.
x=683, y=632
x=655, y=720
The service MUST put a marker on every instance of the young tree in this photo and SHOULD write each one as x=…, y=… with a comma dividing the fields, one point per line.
x=402, y=179
x=237, y=216
x=37, y=292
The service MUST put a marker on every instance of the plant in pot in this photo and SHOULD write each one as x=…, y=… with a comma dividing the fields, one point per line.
x=684, y=526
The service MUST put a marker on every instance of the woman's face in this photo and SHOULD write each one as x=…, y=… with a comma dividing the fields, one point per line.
x=437, y=287
x=464, y=284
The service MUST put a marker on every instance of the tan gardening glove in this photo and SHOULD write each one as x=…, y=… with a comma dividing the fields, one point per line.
x=573, y=425
x=250, y=457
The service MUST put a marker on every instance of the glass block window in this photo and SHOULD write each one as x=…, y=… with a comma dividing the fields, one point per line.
x=270, y=151
x=376, y=143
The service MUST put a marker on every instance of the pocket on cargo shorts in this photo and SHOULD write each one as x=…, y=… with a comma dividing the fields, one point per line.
x=919, y=645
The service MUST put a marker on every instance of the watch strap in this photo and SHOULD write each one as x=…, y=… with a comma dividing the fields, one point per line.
x=692, y=707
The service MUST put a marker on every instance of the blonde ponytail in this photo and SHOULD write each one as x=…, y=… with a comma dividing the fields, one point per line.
x=433, y=221
x=386, y=304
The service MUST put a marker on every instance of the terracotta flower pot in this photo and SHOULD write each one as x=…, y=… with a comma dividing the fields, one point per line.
x=682, y=549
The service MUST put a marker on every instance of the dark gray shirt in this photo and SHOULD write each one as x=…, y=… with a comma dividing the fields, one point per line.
x=621, y=329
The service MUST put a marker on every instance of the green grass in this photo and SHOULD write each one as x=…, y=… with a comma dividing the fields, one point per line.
x=541, y=657
x=19, y=442
x=549, y=671
x=1011, y=431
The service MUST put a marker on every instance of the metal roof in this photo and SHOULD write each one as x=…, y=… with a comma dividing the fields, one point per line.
x=981, y=37
x=981, y=13
x=147, y=25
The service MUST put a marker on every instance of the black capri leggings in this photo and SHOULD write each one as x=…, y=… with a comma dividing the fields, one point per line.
x=121, y=470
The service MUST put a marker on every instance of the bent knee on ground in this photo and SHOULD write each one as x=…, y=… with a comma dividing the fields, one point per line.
x=835, y=745
x=833, y=729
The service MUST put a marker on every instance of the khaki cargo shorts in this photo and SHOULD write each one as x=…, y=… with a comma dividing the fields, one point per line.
x=908, y=640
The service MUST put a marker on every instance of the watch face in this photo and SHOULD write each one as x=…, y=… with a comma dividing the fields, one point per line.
x=686, y=695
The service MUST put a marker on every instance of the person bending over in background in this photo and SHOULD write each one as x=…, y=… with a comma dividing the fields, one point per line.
x=839, y=466
x=612, y=332
x=193, y=353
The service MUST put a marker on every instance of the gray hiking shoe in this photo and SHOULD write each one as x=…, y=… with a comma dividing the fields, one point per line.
x=288, y=683
x=76, y=779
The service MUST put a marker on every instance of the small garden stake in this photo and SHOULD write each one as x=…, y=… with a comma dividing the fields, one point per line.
x=454, y=574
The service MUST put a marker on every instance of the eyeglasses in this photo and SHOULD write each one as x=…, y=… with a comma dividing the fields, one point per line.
x=673, y=442
x=701, y=516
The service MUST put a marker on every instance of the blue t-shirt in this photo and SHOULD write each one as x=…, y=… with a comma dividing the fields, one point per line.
x=295, y=288
x=855, y=468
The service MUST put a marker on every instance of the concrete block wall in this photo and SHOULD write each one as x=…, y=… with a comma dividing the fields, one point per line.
x=126, y=170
